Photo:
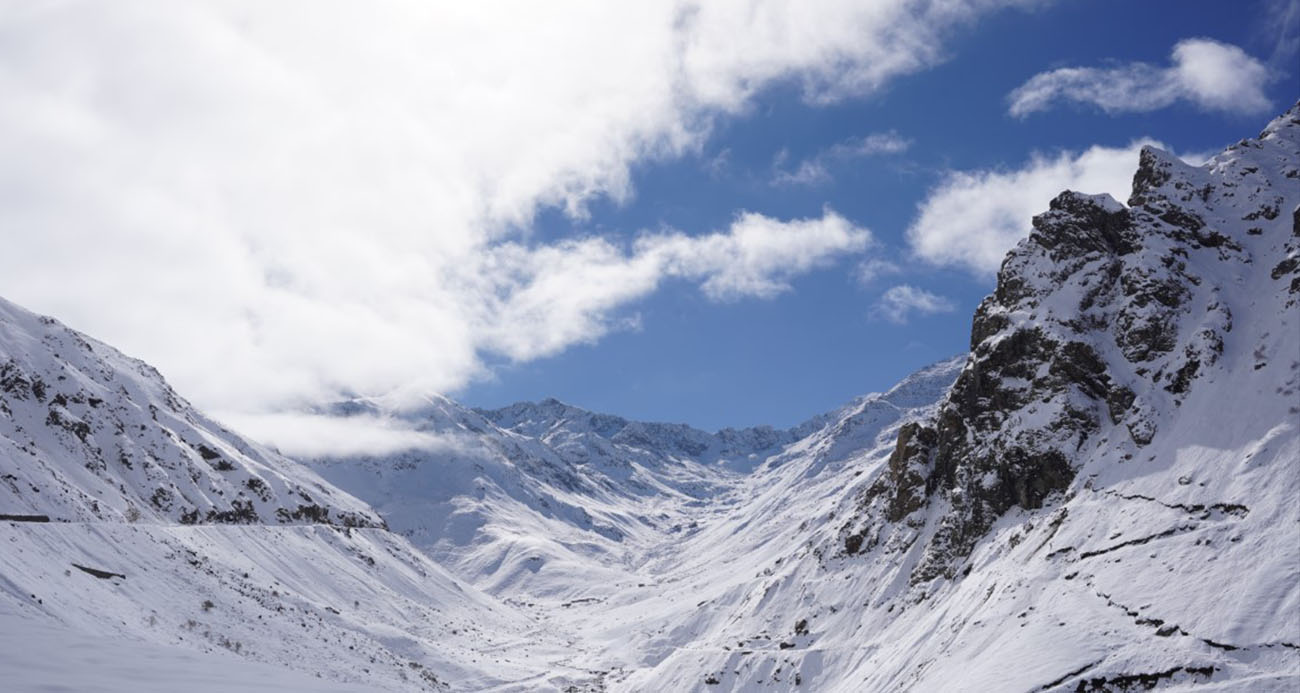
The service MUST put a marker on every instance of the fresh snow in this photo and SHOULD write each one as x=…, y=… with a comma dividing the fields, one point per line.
x=36, y=656
x=544, y=547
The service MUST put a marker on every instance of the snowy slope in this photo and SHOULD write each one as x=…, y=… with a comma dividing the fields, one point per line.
x=89, y=434
x=38, y=657
x=623, y=600
x=1100, y=496
x=694, y=594
x=542, y=499
x=1105, y=500
x=131, y=521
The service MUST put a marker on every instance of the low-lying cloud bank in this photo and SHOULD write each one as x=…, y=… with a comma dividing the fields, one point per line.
x=316, y=435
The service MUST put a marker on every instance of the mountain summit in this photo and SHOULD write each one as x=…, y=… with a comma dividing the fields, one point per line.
x=1105, y=498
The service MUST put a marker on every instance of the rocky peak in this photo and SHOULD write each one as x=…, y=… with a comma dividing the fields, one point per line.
x=1105, y=317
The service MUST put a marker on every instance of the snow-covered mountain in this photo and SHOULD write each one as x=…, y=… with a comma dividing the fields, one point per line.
x=1104, y=500
x=89, y=434
x=1100, y=496
x=539, y=498
x=134, y=526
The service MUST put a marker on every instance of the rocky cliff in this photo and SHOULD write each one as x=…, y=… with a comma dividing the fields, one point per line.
x=1103, y=322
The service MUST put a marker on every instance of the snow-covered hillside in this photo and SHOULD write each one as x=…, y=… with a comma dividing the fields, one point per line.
x=131, y=522
x=1102, y=500
x=88, y=434
x=545, y=498
x=1106, y=498
x=1101, y=496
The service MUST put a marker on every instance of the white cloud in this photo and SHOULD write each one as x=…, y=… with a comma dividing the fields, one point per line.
x=312, y=435
x=808, y=172
x=758, y=255
x=1279, y=24
x=972, y=218
x=282, y=202
x=876, y=143
x=899, y=303
x=1212, y=75
x=730, y=49
x=718, y=165
x=815, y=170
x=554, y=296
x=871, y=269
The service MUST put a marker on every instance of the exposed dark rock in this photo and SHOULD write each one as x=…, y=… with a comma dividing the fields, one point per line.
x=1143, y=681
x=907, y=478
x=1048, y=372
x=1076, y=225
x=1152, y=172
x=1285, y=267
x=241, y=512
x=101, y=574
x=24, y=518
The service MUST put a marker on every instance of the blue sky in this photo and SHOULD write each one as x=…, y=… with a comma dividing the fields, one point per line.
x=810, y=349
x=722, y=212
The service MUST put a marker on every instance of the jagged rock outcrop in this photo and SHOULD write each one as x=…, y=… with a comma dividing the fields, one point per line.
x=1100, y=496
x=1105, y=316
x=1103, y=500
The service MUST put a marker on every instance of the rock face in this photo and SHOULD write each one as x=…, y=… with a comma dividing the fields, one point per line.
x=1103, y=500
x=1100, y=496
x=87, y=434
x=1106, y=316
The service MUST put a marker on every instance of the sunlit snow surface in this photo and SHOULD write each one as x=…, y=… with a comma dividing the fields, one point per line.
x=1174, y=563
x=542, y=547
x=37, y=657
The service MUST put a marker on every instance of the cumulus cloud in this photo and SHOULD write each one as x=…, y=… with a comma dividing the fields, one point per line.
x=899, y=303
x=558, y=295
x=281, y=203
x=1212, y=75
x=972, y=218
x=816, y=170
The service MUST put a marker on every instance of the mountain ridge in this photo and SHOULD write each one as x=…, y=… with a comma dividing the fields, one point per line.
x=1081, y=511
x=131, y=518
x=1099, y=496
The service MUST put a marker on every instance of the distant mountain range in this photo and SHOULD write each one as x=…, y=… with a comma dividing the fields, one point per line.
x=1100, y=496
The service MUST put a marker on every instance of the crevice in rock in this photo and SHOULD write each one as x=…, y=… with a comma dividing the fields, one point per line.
x=1203, y=512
